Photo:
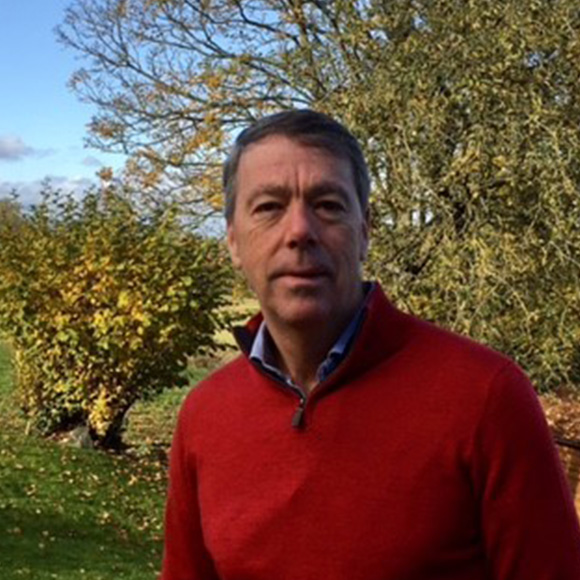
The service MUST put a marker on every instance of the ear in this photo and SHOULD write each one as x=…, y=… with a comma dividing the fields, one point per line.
x=365, y=234
x=233, y=246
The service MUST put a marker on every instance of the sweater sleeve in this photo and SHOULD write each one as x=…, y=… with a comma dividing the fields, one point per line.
x=528, y=520
x=185, y=554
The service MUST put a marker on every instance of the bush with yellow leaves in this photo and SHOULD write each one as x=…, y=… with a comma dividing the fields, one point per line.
x=103, y=304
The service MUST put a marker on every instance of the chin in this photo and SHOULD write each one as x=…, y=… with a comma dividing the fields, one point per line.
x=304, y=314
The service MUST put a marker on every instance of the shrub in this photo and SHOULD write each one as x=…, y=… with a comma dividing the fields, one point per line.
x=103, y=305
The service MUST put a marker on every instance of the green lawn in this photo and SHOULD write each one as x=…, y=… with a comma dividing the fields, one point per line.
x=79, y=514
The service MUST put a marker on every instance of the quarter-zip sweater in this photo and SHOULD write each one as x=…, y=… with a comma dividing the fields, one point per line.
x=424, y=456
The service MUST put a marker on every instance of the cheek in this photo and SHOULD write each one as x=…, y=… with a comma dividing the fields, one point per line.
x=349, y=255
x=253, y=268
x=348, y=244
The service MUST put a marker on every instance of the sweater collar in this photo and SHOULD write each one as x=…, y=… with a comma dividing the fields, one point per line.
x=263, y=348
x=379, y=334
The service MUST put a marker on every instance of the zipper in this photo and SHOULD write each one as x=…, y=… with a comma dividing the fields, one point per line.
x=300, y=411
x=298, y=417
x=288, y=386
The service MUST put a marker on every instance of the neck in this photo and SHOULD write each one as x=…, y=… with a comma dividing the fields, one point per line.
x=300, y=356
x=300, y=350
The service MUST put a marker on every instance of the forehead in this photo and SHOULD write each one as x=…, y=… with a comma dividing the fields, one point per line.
x=281, y=159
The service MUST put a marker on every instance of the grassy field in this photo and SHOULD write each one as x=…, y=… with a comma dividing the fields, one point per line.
x=80, y=514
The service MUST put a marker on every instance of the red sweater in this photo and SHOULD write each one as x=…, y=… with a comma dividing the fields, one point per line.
x=424, y=456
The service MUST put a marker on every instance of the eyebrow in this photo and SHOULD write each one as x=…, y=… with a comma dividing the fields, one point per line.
x=271, y=190
x=317, y=190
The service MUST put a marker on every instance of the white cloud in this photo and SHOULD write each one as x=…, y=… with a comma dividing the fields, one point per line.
x=13, y=148
x=91, y=162
x=29, y=191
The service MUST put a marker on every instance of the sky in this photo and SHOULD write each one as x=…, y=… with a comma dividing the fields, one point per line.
x=42, y=123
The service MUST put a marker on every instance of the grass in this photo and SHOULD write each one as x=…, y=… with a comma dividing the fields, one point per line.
x=242, y=309
x=80, y=514
x=151, y=423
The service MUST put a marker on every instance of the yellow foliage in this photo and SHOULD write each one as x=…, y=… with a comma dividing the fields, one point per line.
x=103, y=306
x=468, y=113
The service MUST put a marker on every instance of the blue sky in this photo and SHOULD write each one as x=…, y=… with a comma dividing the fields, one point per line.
x=42, y=123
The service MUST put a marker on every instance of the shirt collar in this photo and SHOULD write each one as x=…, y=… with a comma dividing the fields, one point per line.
x=263, y=348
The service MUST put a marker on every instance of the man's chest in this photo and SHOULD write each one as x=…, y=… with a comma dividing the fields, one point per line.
x=363, y=491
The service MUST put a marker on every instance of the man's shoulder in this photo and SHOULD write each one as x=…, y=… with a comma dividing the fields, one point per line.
x=220, y=385
x=392, y=329
x=438, y=339
x=460, y=360
x=458, y=378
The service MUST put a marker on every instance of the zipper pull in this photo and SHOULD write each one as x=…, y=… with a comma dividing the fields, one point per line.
x=298, y=417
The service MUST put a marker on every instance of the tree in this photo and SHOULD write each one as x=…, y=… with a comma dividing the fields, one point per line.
x=102, y=305
x=10, y=212
x=468, y=113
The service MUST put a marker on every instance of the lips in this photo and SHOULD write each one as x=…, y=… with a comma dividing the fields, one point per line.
x=304, y=273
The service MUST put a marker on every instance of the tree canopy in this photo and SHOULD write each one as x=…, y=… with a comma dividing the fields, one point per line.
x=103, y=304
x=468, y=112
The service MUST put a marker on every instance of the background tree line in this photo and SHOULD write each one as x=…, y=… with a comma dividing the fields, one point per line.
x=468, y=112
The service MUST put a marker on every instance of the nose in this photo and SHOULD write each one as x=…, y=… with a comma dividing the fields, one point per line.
x=301, y=226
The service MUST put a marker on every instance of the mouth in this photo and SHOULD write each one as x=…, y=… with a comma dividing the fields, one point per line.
x=304, y=274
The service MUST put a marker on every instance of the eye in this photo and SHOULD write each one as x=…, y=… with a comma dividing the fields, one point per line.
x=267, y=207
x=330, y=207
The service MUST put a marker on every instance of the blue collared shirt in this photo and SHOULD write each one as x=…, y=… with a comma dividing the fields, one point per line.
x=263, y=350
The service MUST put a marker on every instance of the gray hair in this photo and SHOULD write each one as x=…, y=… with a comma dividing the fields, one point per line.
x=307, y=127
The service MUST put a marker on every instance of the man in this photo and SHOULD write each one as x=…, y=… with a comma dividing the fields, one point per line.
x=351, y=441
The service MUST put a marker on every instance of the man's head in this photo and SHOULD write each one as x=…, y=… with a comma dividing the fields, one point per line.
x=309, y=128
x=297, y=223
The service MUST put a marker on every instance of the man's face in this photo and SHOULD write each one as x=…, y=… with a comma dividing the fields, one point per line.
x=298, y=232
